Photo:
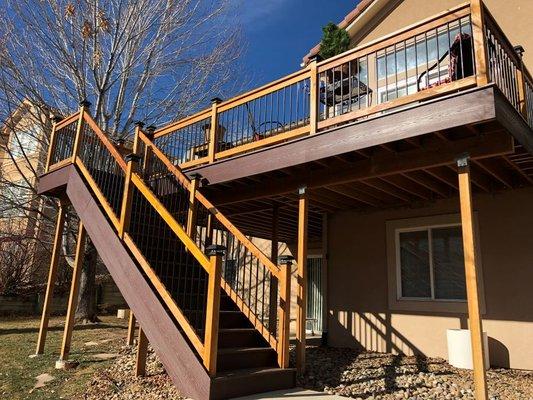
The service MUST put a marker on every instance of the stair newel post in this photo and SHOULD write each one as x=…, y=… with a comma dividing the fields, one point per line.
x=52, y=144
x=150, y=134
x=193, y=206
x=84, y=107
x=284, y=310
x=215, y=252
x=213, y=128
x=132, y=161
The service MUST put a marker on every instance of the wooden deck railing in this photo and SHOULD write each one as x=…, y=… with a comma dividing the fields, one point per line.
x=455, y=50
x=176, y=236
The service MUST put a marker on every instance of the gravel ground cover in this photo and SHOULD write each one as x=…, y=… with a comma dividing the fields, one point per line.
x=345, y=372
x=118, y=382
x=373, y=376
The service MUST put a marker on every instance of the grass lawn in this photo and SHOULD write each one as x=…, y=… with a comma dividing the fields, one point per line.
x=90, y=343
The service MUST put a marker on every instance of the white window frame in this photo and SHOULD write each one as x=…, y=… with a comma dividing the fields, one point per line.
x=428, y=229
x=417, y=305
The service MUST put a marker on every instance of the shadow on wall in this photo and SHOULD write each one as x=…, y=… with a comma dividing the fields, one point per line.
x=374, y=332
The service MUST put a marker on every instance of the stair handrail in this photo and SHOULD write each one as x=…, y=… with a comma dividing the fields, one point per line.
x=178, y=173
x=205, y=350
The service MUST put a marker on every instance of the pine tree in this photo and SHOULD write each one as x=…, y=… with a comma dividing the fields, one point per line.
x=334, y=41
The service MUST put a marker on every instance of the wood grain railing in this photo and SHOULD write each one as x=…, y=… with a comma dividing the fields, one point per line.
x=184, y=245
x=455, y=50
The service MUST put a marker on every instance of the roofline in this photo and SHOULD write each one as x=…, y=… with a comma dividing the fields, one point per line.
x=345, y=23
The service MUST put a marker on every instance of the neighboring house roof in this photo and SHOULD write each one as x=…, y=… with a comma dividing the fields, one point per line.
x=345, y=23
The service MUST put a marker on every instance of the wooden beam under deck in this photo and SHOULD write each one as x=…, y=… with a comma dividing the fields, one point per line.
x=440, y=154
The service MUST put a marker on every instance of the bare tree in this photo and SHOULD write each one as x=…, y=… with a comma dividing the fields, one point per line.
x=149, y=60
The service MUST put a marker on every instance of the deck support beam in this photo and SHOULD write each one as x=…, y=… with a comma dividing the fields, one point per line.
x=74, y=291
x=273, y=280
x=301, y=302
x=471, y=275
x=131, y=329
x=142, y=351
x=52, y=275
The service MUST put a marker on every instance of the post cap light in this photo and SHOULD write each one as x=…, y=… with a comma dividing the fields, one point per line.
x=302, y=190
x=285, y=259
x=463, y=160
x=139, y=124
x=216, y=250
x=216, y=100
x=132, y=157
x=85, y=103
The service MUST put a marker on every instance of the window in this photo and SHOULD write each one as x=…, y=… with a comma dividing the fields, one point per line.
x=14, y=198
x=430, y=263
x=23, y=142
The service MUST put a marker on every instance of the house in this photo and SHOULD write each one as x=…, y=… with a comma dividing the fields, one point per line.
x=22, y=156
x=396, y=173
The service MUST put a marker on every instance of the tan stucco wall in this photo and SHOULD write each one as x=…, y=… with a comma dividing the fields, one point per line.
x=514, y=16
x=359, y=313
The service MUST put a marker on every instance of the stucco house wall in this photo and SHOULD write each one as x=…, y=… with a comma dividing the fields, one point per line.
x=363, y=311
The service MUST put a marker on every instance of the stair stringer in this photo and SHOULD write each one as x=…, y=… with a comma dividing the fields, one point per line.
x=178, y=358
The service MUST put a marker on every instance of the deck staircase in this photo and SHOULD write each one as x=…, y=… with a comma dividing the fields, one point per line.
x=214, y=307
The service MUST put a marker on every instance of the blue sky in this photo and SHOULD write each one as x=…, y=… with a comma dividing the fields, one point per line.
x=280, y=32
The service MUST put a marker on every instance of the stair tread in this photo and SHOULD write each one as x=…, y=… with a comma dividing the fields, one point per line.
x=237, y=373
x=230, y=330
x=236, y=350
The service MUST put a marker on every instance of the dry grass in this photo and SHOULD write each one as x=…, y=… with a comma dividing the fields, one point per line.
x=18, y=371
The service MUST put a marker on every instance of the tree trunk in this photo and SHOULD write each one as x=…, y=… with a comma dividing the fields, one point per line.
x=86, y=311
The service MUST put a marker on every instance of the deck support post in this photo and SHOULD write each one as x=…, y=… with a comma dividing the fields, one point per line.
x=193, y=206
x=301, y=302
x=52, y=275
x=131, y=329
x=471, y=275
x=213, y=134
x=73, y=297
x=273, y=303
x=142, y=351
x=215, y=252
x=478, y=35
x=324, y=277
x=284, y=310
x=132, y=161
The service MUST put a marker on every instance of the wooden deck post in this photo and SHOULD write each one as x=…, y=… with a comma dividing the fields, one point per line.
x=215, y=252
x=301, y=278
x=73, y=297
x=193, y=206
x=132, y=161
x=521, y=81
x=52, y=275
x=213, y=137
x=324, y=278
x=478, y=35
x=471, y=275
x=142, y=351
x=52, y=143
x=131, y=329
x=272, y=315
x=150, y=133
x=284, y=310
x=84, y=107
x=313, y=96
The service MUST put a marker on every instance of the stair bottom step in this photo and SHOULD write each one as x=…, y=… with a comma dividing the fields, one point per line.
x=245, y=382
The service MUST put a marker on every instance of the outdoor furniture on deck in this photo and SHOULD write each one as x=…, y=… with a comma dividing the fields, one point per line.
x=343, y=90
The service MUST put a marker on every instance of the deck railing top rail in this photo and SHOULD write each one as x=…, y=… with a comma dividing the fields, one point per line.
x=436, y=56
